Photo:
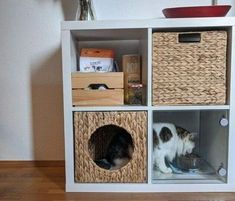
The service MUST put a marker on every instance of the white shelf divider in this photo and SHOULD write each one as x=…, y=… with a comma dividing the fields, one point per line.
x=190, y=107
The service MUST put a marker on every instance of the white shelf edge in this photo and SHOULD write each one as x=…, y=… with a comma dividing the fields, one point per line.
x=153, y=108
x=150, y=147
x=190, y=107
x=134, y=187
x=188, y=181
x=109, y=108
x=148, y=23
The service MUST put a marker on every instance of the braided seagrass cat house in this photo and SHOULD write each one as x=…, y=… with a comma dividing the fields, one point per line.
x=89, y=147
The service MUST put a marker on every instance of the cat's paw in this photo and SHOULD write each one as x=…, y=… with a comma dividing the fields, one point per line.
x=166, y=170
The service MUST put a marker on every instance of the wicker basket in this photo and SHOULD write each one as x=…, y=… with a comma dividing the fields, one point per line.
x=189, y=70
x=86, y=124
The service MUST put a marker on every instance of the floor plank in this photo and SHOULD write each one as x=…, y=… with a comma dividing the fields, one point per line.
x=46, y=182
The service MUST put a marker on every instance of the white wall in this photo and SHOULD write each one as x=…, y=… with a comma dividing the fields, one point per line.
x=31, y=125
x=132, y=9
x=31, y=114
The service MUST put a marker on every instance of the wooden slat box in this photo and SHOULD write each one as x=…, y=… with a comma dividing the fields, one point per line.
x=114, y=95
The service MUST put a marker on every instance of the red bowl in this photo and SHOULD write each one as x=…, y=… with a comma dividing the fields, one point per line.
x=197, y=11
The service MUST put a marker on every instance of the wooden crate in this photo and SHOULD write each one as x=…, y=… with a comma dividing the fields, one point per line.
x=114, y=95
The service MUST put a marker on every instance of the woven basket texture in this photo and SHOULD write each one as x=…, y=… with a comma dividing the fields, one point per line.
x=189, y=73
x=86, y=150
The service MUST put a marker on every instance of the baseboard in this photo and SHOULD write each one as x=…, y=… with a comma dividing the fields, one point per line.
x=36, y=163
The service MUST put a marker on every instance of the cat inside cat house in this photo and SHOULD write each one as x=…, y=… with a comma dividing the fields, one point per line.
x=111, y=147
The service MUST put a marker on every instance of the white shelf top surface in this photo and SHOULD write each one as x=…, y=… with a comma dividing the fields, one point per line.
x=154, y=108
x=149, y=23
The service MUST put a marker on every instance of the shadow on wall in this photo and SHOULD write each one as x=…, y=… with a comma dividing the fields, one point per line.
x=47, y=107
x=69, y=8
x=47, y=98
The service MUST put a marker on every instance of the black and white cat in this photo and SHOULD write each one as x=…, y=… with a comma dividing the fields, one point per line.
x=170, y=141
x=119, y=151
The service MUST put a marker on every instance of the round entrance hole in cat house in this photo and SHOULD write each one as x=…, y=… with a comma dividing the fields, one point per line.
x=111, y=147
x=88, y=123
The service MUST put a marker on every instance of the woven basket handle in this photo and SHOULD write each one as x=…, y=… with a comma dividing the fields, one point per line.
x=189, y=38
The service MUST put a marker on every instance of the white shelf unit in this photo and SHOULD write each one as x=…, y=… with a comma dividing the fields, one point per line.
x=136, y=36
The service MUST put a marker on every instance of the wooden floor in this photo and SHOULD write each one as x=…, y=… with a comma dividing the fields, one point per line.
x=46, y=182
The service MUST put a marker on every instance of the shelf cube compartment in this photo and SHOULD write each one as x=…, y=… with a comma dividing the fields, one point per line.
x=189, y=68
x=93, y=134
x=208, y=161
x=122, y=42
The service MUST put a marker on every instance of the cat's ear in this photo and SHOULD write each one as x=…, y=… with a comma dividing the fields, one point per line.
x=192, y=136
